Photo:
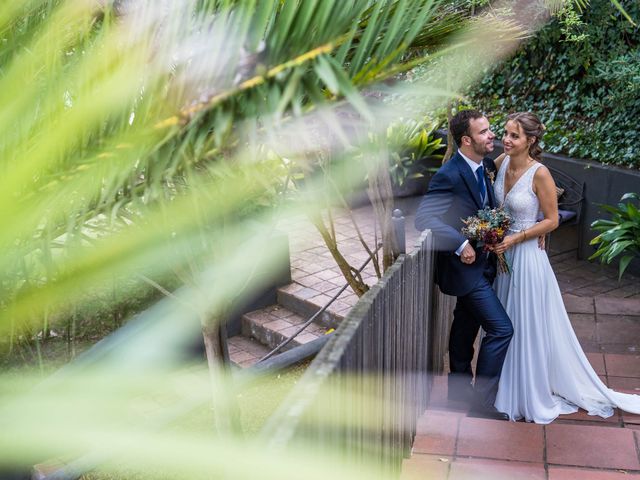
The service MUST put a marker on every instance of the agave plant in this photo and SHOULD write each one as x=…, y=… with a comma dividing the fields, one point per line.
x=619, y=235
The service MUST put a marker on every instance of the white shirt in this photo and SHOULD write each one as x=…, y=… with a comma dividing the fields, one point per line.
x=474, y=167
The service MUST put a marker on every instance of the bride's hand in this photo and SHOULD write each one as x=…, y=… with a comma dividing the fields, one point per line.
x=508, y=242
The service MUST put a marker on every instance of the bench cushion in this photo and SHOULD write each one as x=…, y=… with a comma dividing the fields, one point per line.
x=563, y=216
x=566, y=215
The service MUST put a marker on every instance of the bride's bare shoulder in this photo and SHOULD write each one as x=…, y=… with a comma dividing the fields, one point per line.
x=498, y=161
x=542, y=174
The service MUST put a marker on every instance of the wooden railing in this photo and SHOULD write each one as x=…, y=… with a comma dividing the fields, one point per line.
x=361, y=396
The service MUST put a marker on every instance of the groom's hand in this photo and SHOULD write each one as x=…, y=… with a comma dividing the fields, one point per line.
x=468, y=255
x=541, y=242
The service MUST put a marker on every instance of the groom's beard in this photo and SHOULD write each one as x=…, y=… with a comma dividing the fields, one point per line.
x=480, y=148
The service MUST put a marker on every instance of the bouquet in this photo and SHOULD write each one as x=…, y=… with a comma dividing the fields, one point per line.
x=489, y=226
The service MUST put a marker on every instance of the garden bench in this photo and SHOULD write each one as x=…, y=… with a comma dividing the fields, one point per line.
x=570, y=197
x=570, y=200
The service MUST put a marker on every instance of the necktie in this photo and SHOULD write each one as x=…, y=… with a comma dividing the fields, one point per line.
x=481, y=185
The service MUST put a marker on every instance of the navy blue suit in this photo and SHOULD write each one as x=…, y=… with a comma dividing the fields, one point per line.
x=452, y=196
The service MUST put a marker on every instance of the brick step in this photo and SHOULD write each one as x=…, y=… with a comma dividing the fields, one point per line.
x=245, y=351
x=293, y=299
x=272, y=325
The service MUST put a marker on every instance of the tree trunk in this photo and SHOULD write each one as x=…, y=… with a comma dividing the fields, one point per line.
x=215, y=346
x=450, y=141
x=350, y=274
x=226, y=414
x=381, y=196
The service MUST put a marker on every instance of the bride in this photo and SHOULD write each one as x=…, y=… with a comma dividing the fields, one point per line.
x=545, y=373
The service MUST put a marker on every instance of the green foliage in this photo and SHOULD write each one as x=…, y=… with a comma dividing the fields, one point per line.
x=619, y=235
x=581, y=75
x=410, y=144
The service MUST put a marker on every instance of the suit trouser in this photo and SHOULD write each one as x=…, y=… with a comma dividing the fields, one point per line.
x=479, y=308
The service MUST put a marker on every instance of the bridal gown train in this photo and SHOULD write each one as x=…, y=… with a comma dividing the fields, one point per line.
x=545, y=372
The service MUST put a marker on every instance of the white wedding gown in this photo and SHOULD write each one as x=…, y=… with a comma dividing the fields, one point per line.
x=545, y=373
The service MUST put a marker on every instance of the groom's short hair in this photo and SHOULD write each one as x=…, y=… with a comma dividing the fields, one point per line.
x=459, y=124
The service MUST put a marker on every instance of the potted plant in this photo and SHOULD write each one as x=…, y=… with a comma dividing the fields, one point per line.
x=620, y=235
x=416, y=154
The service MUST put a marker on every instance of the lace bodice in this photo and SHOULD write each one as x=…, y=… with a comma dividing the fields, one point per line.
x=521, y=202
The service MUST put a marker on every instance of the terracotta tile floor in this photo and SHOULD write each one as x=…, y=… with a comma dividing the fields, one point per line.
x=591, y=446
x=568, y=473
x=450, y=445
x=576, y=446
x=513, y=441
x=477, y=468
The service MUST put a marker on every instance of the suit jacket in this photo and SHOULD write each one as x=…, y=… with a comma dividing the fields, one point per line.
x=452, y=196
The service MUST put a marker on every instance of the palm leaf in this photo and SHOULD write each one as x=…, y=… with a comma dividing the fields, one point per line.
x=162, y=156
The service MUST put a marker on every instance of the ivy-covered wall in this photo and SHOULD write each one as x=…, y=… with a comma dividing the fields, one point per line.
x=585, y=86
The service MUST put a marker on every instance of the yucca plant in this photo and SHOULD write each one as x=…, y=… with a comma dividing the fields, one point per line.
x=619, y=235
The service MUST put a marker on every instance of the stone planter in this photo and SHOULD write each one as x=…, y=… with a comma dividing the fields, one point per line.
x=412, y=187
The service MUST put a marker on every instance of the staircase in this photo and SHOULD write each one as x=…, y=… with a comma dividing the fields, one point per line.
x=265, y=328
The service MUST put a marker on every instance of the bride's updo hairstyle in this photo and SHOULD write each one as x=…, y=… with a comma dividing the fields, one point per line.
x=532, y=128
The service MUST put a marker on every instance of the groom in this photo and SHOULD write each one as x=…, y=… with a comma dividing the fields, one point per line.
x=458, y=190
